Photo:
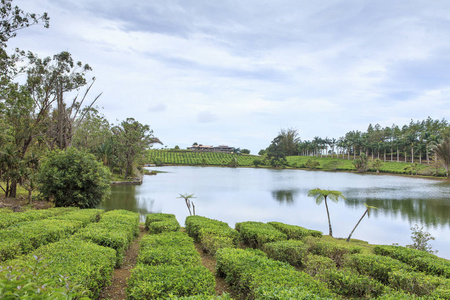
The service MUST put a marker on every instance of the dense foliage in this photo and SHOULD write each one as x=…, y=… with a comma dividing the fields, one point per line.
x=74, y=178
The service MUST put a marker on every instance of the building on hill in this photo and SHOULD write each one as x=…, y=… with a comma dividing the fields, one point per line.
x=219, y=149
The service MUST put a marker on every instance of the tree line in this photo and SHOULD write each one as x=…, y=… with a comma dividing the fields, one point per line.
x=416, y=142
x=52, y=109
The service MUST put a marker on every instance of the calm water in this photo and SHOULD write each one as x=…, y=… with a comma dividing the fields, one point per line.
x=236, y=195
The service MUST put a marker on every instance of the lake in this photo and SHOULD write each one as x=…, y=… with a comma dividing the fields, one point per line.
x=248, y=194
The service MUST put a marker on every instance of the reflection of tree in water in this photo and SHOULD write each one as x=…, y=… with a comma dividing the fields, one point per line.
x=284, y=196
x=430, y=212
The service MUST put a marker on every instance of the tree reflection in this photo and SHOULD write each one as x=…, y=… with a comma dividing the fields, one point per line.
x=284, y=196
x=430, y=212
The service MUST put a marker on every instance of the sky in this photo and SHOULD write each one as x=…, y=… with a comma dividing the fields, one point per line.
x=237, y=72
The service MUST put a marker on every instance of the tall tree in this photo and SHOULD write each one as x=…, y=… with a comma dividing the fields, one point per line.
x=323, y=195
x=131, y=140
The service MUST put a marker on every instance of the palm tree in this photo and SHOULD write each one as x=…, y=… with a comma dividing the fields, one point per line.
x=368, y=208
x=322, y=195
x=442, y=152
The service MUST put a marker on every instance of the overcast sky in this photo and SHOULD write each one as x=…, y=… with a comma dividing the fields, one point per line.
x=236, y=72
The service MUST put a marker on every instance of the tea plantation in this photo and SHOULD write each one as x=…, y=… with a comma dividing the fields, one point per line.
x=72, y=253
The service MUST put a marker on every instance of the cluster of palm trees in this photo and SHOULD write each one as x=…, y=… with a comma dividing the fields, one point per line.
x=413, y=142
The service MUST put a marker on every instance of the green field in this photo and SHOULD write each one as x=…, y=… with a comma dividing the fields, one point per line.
x=189, y=158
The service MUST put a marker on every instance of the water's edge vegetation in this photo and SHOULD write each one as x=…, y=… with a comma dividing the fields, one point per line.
x=322, y=163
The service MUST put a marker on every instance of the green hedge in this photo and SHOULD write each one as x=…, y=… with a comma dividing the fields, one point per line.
x=27, y=236
x=164, y=281
x=84, y=263
x=160, y=222
x=211, y=234
x=295, y=232
x=253, y=275
x=420, y=284
x=8, y=219
x=116, y=229
x=256, y=234
x=174, y=248
x=224, y=296
x=291, y=251
x=334, y=250
x=420, y=260
x=377, y=266
x=85, y=216
x=352, y=285
x=317, y=264
x=169, y=265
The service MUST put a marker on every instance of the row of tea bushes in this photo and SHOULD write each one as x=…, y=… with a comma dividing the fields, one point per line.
x=211, y=234
x=116, y=229
x=256, y=234
x=169, y=266
x=24, y=237
x=295, y=232
x=80, y=267
x=421, y=261
x=8, y=219
x=254, y=275
x=161, y=222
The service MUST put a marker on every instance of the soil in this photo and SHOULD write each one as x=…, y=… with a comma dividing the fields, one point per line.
x=117, y=289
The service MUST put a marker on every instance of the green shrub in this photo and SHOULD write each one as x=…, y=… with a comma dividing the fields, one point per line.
x=85, y=216
x=34, y=280
x=210, y=241
x=195, y=223
x=295, y=232
x=224, y=296
x=116, y=230
x=420, y=260
x=27, y=236
x=9, y=219
x=334, y=250
x=248, y=272
x=164, y=281
x=84, y=263
x=349, y=284
x=256, y=234
x=317, y=264
x=73, y=178
x=173, y=248
x=291, y=251
x=420, y=284
x=160, y=222
x=376, y=266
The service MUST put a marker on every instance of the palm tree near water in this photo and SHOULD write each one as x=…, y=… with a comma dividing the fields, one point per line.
x=322, y=195
x=368, y=208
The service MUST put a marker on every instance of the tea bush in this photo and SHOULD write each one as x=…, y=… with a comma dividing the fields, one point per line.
x=84, y=263
x=291, y=251
x=174, y=248
x=27, y=236
x=420, y=284
x=11, y=218
x=195, y=223
x=420, y=260
x=377, y=266
x=34, y=280
x=160, y=222
x=116, y=230
x=256, y=234
x=332, y=249
x=248, y=273
x=224, y=296
x=85, y=216
x=295, y=232
x=164, y=281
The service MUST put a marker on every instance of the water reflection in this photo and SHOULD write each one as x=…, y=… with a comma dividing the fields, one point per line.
x=236, y=195
x=284, y=196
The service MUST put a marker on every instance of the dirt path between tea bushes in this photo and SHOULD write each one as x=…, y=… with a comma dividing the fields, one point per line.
x=117, y=289
x=210, y=263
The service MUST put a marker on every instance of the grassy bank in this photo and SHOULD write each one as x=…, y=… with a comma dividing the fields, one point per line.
x=189, y=158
